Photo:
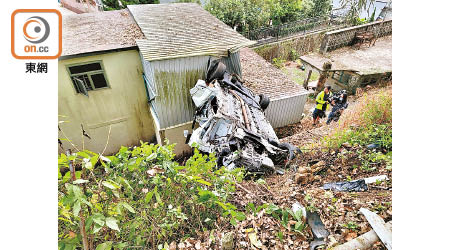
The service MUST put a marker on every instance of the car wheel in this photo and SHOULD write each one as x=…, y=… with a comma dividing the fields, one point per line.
x=263, y=101
x=292, y=150
x=216, y=71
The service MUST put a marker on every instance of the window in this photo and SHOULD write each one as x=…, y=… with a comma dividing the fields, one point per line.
x=87, y=77
x=341, y=77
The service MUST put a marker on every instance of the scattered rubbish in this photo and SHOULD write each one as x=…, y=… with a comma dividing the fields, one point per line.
x=374, y=179
x=232, y=124
x=317, y=228
x=354, y=186
x=379, y=226
x=348, y=186
x=297, y=206
x=228, y=241
x=316, y=243
x=364, y=241
x=373, y=146
x=254, y=240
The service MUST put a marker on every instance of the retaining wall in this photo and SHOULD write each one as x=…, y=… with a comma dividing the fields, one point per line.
x=292, y=48
x=344, y=37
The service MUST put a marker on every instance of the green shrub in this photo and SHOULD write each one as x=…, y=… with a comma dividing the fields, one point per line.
x=278, y=62
x=293, y=55
x=141, y=197
x=370, y=122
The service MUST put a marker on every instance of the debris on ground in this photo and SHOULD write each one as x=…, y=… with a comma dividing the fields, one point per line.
x=347, y=186
x=379, y=226
x=362, y=242
x=300, y=188
x=232, y=124
x=318, y=230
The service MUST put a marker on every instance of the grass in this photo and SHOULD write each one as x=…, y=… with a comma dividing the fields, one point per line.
x=298, y=75
x=369, y=122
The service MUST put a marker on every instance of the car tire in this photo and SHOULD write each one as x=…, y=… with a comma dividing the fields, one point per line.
x=290, y=149
x=216, y=71
x=264, y=101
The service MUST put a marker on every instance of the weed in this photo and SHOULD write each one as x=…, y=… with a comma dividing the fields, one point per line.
x=278, y=62
x=293, y=55
x=141, y=197
x=351, y=225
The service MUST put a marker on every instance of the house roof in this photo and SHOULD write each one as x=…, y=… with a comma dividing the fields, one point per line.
x=183, y=30
x=99, y=31
x=365, y=61
x=262, y=77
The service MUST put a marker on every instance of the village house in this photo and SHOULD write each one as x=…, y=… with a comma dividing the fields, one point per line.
x=100, y=82
x=352, y=66
x=125, y=76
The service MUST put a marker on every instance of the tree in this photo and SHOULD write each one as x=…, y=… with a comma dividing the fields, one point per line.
x=313, y=8
x=247, y=15
x=240, y=15
x=354, y=8
x=282, y=11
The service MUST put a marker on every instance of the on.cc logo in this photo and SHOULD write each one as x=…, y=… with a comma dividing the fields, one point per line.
x=36, y=29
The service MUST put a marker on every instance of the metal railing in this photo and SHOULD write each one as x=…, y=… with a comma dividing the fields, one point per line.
x=299, y=27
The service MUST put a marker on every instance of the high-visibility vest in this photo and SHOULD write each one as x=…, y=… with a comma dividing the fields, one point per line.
x=320, y=100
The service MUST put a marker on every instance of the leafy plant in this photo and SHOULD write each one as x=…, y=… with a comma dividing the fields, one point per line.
x=278, y=62
x=140, y=197
x=283, y=216
x=293, y=55
x=351, y=225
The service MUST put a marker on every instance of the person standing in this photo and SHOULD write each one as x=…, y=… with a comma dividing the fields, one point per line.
x=321, y=104
x=339, y=104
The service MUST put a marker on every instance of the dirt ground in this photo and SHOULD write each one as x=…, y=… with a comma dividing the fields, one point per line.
x=338, y=210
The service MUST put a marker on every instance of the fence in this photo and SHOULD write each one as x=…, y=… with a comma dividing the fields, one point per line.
x=300, y=27
x=344, y=37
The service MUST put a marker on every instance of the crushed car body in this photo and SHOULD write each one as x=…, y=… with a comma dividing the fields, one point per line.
x=232, y=124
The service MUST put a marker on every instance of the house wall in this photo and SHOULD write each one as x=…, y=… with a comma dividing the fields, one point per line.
x=284, y=111
x=123, y=106
x=170, y=81
x=353, y=82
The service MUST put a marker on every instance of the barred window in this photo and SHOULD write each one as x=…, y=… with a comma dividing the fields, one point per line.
x=88, y=76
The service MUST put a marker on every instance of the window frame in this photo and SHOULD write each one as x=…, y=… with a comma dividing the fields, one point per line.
x=88, y=73
x=339, y=76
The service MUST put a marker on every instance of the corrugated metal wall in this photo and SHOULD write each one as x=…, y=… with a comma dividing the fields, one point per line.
x=233, y=63
x=285, y=111
x=171, y=81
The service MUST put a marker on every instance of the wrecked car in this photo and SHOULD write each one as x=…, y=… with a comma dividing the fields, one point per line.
x=232, y=124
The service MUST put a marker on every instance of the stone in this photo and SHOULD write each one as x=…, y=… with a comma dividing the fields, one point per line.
x=228, y=241
x=303, y=170
x=318, y=166
x=346, y=144
x=303, y=178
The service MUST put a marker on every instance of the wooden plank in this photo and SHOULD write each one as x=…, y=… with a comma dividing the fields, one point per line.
x=305, y=84
x=378, y=225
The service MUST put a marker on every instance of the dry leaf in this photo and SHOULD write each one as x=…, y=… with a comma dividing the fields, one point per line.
x=350, y=236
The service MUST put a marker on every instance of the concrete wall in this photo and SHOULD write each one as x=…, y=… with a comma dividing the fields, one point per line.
x=344, y=37
x=353, y=82
x=123, y=106
x=283, y=49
